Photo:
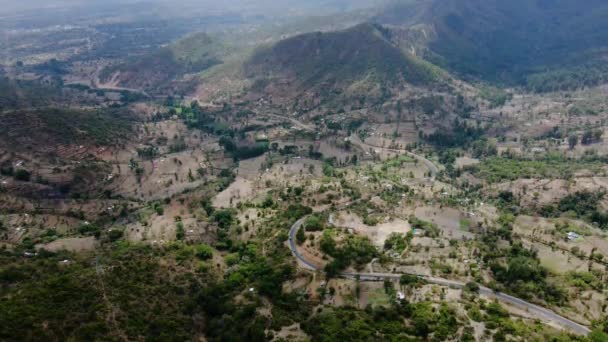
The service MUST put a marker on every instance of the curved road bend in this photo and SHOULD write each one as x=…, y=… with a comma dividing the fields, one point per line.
x=534, y=310
x=431, y=166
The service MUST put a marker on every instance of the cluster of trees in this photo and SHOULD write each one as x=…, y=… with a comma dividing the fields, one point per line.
x=243, y=151
x=353, y=250
x=589, y=137
x=398, y=242
x=398, y=323
x=483, y=148
x=498, y=169
x=194, y=116
x=263, y=267
x=460, y=134
x=430, y=229
x=314, y=223
x=148, y=152
x=567, y=79
x=517, y=268
x=582, y=204
x=40, y=296
x=22, y=175
x=496, y=96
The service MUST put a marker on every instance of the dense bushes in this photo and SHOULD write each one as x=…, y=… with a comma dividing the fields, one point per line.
x=398, y=242
x=243, y=150
x=352, y=250
x=460, y=135
x=45, y=298
x=582, y=204
x=384, y=324
x=519, y=269
x=313, y=223
x=498, y=169
x=430, y=229
x=22, y=175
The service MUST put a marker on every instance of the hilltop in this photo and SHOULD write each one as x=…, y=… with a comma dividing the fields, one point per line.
x=168, y=65
x=546, y=45
x=357, y=62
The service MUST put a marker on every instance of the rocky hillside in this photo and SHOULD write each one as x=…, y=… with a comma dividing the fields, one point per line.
x=156, y=71
x=545, y=44
x=359, y=61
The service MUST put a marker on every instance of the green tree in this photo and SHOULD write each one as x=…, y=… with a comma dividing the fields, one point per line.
x=300, y=236
x=327, y=244
x=572, y=141
x=313, y=223
x=22, y=175
x=204, y=252
x=180, y=232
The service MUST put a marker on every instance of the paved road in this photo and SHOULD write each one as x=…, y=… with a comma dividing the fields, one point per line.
x=429, y=164
x=534, y=310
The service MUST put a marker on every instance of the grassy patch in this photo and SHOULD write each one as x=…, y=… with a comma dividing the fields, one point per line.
x=378, y=297
x=499, y=169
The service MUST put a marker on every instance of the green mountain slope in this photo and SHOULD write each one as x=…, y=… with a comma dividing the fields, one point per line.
x=338, y=60
x=193, y=54
x=512, y=40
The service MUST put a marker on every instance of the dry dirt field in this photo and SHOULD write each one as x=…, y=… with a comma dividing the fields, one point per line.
x=447, y=219
x=71, y=244
x=377, y=234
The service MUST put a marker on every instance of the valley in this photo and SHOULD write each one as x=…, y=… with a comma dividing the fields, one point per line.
x=388, y=172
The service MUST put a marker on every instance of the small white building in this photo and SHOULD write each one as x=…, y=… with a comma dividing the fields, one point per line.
x=573, y=236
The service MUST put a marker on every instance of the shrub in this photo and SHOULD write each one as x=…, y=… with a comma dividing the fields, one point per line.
x=313, y=223
x=115, y=234
x=22, y=175
x=180, y=232
x=204, y=252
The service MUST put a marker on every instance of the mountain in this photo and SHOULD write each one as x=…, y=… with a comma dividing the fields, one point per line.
x=157, y=70
x=517, y=41
x=359, y=61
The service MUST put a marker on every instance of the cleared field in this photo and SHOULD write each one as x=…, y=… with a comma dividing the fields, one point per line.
x=377, y=234
x=71, y=244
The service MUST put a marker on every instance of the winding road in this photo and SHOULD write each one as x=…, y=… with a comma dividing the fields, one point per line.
x=534, y=310
x=433, y=169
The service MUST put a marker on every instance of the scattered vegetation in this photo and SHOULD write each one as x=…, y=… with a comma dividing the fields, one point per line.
x=498, y=169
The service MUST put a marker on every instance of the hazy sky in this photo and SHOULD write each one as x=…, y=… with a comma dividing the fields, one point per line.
x=228, y=5
x=26, y=14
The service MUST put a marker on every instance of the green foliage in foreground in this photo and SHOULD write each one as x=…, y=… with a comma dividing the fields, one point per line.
x=126, y=293
x=137, y=292
x=384, y=324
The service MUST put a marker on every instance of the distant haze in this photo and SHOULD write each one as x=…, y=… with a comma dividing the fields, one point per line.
x=251, y=6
